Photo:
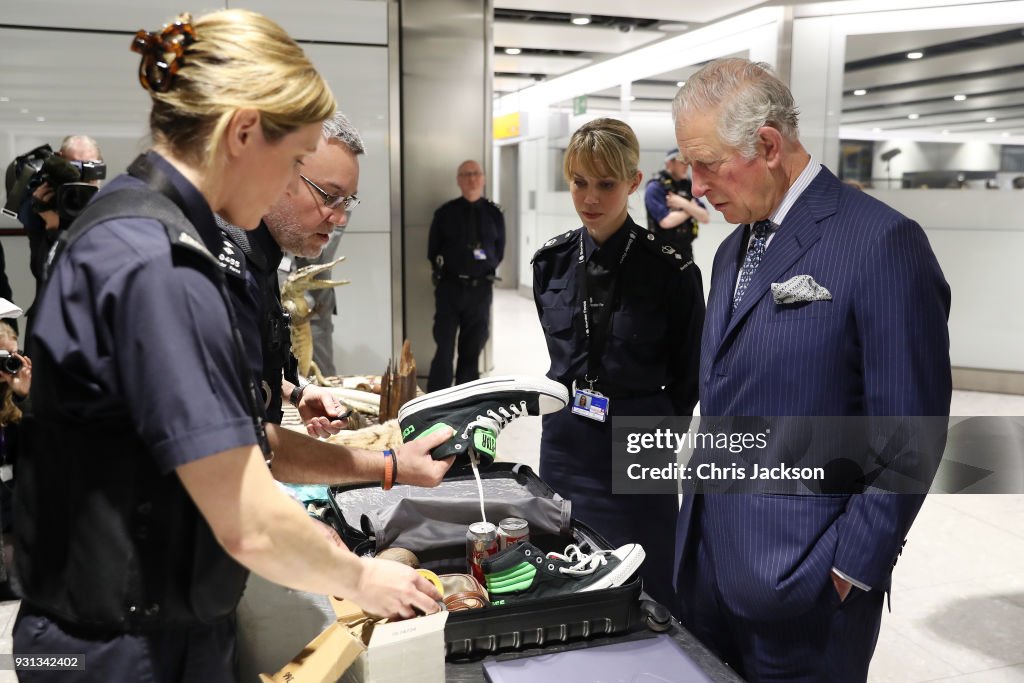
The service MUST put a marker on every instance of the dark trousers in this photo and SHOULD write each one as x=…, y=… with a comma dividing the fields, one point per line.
x=462, y=310
x=203, y=653
x=831, y=643
x=576, y=461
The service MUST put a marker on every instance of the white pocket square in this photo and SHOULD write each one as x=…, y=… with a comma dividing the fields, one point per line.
x=799, y=288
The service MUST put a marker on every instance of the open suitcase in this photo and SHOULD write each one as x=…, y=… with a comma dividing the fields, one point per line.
x=433, y=522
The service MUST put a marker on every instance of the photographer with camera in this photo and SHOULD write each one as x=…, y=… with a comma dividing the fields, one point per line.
x=57, y=192
x=15, y=382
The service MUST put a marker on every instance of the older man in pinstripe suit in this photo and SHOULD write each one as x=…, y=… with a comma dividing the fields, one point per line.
x=790, y=588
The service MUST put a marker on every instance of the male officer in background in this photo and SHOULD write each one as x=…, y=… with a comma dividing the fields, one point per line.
x=672, y=212
x=467, y=242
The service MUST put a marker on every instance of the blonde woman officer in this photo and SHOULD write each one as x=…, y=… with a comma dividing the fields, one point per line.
x=622, y=314
x=144, y=490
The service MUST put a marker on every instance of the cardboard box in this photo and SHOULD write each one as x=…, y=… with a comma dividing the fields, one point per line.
x=361, y=649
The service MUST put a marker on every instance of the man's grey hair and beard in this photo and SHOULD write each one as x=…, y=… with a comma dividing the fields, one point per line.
x=286, y=229
x=287, y=232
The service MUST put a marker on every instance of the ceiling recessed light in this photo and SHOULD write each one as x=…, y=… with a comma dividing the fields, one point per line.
x=1006, y=133
x=913, y=117
x=632, y=98
x=40, y=119
x=5, y=99
x=580, y=19
x=876, y=130
x=680, y=84
x=512, y=50
x=945, y=131
x=24, y=111
x=959, y=98
x=860, y=91
x=990, y=119
x=915, y=55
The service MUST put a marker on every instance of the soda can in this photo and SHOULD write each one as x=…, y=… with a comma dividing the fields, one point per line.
x=481, y=542
x=512, y=530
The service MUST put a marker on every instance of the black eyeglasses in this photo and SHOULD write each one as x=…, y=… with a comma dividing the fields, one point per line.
x=333, y=201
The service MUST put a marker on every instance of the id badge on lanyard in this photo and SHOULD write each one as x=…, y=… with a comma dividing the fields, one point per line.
x=589, y=403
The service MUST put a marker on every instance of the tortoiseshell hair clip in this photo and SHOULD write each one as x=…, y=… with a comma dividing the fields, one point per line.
x=162, y=53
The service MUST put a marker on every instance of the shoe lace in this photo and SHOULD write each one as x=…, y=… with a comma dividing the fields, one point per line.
x=581, y=563
x=496, y=419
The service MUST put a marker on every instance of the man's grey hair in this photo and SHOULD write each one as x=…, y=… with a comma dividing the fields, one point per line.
x=339, y=129
x=744, y=96
x=79, y=142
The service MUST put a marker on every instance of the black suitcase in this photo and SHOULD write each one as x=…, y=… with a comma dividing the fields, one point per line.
x=506, y=627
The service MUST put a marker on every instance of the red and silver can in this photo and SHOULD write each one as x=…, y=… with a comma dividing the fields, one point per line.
x=481, y=542
x=512, y=530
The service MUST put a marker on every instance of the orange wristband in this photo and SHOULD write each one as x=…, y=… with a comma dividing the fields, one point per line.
x=389, y=470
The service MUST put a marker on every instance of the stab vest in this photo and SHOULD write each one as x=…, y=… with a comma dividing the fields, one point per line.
x=263, y=255
x=689, y=227
x=105, y=541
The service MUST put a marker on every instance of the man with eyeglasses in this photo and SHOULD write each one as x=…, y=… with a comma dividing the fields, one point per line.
x=466, y=245
x=301, y=222
x=324, y=300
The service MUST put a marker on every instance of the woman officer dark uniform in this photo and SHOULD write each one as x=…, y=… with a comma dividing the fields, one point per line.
x=622, y=314
x=145, y=494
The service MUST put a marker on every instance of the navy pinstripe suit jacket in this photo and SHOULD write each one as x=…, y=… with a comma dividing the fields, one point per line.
x=880, y=347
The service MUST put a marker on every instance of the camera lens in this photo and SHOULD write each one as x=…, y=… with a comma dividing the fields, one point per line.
x=72, y=198
x=10, y=364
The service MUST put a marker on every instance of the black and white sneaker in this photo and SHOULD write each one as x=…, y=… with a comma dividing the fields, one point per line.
x=522, y=572
x=477, y=411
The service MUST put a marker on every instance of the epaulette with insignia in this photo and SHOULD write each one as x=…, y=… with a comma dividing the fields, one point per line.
x=656, y=245
x=494, y=204
x=556, y=241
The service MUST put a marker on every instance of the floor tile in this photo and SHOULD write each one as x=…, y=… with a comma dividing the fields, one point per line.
x=971, y=625
x=1009, y=674
x=900, y=660
x=947, y=545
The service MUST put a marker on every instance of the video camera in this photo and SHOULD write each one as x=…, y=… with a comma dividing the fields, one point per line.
x=71, y=182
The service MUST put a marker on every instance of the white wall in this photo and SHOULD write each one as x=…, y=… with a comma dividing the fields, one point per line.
x=977, y=237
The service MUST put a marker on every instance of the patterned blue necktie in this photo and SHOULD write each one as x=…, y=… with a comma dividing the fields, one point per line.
x=752, y=260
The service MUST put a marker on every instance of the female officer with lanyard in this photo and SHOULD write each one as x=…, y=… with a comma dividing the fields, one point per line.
x=145, y=490
x=622, y=315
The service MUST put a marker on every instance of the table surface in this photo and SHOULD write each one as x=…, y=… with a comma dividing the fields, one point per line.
x=472, y=671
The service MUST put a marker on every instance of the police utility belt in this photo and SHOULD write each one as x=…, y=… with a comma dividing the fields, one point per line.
x=469, y=280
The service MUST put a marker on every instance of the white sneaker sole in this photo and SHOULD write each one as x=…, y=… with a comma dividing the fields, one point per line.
x=631, y=556
x=552, y=396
